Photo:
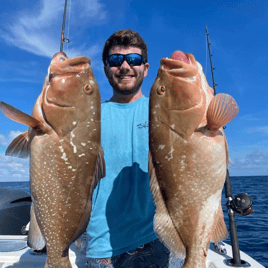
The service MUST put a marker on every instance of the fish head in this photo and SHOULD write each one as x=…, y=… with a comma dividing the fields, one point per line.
x=177, y=96
x=70, y=89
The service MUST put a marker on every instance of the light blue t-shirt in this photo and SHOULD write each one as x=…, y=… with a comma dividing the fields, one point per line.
x=122, y=204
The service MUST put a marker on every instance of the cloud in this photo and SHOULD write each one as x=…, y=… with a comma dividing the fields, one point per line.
x=263, y=129
x=39, y=32
x=13, y=168
x=6, y=140
x=250, y=117
x=256, y=160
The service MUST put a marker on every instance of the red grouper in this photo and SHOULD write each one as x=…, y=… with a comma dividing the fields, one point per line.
x=66, y=157
x=188, y=158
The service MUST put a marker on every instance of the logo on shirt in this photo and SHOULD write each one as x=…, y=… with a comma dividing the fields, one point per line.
x=144, y=125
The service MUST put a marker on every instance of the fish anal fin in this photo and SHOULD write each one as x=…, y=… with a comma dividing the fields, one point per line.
x=221, y=110
x=35, y=239
x=220, y=232
x=163, y=225
x=20, y=146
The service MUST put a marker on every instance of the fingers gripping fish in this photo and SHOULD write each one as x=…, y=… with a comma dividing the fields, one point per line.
x=188, y=158
x=66, y=158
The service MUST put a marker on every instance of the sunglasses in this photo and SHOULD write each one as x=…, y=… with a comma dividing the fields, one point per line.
x=133, y=59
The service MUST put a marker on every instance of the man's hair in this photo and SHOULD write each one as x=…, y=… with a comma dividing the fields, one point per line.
x=125, y=38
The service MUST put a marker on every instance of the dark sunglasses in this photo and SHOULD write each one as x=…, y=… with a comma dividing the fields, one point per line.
x=133, y=59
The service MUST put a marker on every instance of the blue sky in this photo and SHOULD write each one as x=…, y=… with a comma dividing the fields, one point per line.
x=30, y=35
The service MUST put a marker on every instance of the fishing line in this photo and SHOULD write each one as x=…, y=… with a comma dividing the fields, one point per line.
x=68, y=27
x=206, y=69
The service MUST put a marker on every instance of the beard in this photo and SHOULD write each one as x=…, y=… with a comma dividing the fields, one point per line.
x=128, y=89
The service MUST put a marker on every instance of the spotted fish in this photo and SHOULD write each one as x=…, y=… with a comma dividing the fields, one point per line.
x=188, y=158
x=66, y=158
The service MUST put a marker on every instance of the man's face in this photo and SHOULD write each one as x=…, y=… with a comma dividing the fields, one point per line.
x=126, y=79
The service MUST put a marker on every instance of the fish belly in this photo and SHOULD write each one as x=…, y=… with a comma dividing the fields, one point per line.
x=61, y=188
x=190, y=176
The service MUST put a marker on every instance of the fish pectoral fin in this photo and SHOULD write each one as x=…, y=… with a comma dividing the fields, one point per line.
x=20, y=146
x=220, y=232
x=221, y=110
x=19, y=116
x=163, y=225
x=35, y=239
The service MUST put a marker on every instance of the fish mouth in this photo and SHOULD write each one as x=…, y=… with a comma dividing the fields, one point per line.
x=63, y=67
x=180, y=65
x=54, y=103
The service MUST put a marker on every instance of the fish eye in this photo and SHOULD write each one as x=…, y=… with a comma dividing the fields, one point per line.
x=88, y=89
x=161, y=90
x=62, y=59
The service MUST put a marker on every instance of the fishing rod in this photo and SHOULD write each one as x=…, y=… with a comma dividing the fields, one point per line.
x=63, y=39
x=211, y=66
x=240, y=204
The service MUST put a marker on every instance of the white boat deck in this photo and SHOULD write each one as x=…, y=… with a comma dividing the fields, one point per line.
x=25, y=258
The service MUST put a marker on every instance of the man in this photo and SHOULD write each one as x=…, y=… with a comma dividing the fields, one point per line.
x=121, y=226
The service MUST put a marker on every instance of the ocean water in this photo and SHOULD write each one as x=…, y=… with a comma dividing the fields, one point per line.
x=252, y=229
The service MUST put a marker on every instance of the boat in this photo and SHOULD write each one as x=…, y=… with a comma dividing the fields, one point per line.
x=15, y=253
x=15, y=214
x=14, y=211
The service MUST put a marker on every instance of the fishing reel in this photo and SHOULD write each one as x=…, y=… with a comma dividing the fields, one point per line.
x=241, y=204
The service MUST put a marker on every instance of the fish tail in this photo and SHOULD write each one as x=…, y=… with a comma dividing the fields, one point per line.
x=195, y=261
x=190, y=265
x=60, y=262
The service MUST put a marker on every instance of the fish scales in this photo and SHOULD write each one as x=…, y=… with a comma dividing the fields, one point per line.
x=188, y=158
x=66, y=158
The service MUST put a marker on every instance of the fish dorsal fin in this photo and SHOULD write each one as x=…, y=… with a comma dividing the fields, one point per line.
x=221, y=110
x=19, y=116
x=35, y=238
x=220, y=232
x=163, y=225
x=20, y=146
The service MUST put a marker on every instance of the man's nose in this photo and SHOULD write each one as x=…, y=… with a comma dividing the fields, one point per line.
x=124, y=65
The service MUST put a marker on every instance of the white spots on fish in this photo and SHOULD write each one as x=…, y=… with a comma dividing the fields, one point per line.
x=63, y=80
x=191, y=79
x=83, y=144
x=170, y=154
x=172, y=126
x=182, y=163
x=91, y=82
x=74, y=123
x=78, y=75
x=81, y=155
x=71, y=142
x=64, y=157
x=161, y=146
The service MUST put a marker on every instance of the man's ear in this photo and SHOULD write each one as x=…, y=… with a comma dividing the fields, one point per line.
x=146, y=66
x=105, y=70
